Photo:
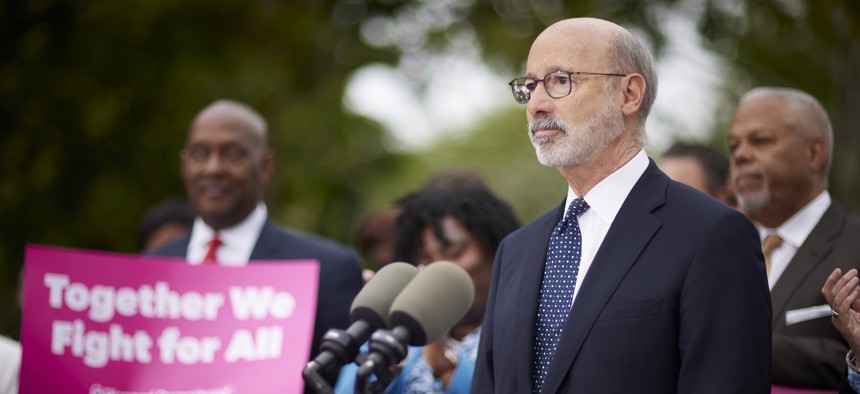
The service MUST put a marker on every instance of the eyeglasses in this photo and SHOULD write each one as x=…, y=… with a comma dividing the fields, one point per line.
x=557, y=84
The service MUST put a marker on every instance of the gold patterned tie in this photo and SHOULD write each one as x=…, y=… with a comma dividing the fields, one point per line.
x=771, y=242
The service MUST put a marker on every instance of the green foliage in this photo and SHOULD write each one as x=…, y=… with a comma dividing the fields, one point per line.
x=96, y=97
x=813, y=46
x=499, y=151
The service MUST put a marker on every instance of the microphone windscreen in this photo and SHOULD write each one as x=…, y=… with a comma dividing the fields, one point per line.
x=436, y=299
x=373, y=302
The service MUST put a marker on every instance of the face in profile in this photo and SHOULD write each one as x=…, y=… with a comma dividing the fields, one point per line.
x=462, y=248
x=225, y=168
x=768, y=159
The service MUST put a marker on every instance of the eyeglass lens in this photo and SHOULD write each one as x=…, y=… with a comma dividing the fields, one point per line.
x=557, y=85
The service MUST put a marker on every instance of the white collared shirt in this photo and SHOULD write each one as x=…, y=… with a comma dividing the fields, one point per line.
x=793, y=232
x=237, y=242
x=605, y=200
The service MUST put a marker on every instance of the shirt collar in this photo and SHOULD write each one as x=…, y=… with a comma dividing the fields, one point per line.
x=605, y=198
x=795, y=230
x=240, y=239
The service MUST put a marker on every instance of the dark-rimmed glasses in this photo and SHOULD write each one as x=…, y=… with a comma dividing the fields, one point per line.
x=556, y=83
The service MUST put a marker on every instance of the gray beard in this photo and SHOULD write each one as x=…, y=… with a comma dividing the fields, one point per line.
x=576, y=143
x=755, y=202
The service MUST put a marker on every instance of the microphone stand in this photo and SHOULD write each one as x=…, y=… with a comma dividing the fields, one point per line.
x=387, y=348
x=338, y=347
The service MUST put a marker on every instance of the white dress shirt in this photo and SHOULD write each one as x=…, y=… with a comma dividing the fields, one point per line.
x=237, y=242
x=604, y=200
x=793, y=232
x=10, y=365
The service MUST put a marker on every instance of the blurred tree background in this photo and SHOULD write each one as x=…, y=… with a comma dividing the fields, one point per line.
x=96, y=96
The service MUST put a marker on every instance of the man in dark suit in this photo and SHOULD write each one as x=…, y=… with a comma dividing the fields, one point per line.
x=780, y=142
x=662, y=289
x=226, y=165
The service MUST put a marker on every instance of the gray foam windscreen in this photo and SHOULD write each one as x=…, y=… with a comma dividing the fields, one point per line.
x=373, y=302
x=436, y=299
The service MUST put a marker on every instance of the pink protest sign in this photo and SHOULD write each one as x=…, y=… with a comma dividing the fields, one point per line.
x=103, y=323
x=791, y=390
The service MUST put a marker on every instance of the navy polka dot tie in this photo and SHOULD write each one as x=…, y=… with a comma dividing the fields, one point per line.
x=556, y=292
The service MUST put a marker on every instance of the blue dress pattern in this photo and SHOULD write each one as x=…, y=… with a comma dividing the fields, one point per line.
x=417, y=377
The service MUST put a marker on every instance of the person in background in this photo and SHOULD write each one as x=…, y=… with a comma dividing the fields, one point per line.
x=10, y=365
x=166, y=221
x=780, y=142
x=464, y=226
x=374, y=238
x=622, y=288
x=843, y=297
x=454, y=179
x=698, y=166
x=226, y=165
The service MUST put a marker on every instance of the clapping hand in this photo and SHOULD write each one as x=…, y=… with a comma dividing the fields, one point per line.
x=843, y=295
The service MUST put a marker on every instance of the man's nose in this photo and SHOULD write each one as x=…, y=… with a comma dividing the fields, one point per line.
x=540, y=101
x=741, y=154
x=214, y=163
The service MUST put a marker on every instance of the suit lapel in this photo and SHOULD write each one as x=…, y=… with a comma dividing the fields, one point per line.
x=265, y=243
x=533, y=256
x=809, y=256
x=633, y=228
x=176, y=249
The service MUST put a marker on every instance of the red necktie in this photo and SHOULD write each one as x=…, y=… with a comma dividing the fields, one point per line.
x=211, y=256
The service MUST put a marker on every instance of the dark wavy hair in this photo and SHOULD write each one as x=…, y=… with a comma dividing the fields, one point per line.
x=484, y=215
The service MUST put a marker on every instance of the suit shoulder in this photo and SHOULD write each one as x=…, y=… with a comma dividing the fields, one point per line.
x=175, y=248
x=537, y=226
x=679, y=193
x=852, y=223
x=694, y=204
x=312, y=245
x=839, y=225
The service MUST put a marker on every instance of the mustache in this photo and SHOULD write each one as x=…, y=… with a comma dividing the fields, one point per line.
x=547, y=122
x=746, y=173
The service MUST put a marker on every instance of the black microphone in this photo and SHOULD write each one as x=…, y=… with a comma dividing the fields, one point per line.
x=429, y=305
x=369, y=312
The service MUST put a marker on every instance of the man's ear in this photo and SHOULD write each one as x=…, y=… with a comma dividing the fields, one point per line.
x=268, y=167
x=817, y=151
x=633, y=88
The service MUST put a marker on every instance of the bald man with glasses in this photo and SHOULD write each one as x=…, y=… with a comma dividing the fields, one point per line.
x=634, y=283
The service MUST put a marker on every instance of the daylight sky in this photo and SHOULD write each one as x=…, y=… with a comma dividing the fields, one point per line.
x=688, y=78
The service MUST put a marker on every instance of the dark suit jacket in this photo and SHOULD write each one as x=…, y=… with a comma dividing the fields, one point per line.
x=675, y=301
x=844, y=387
x=340, y=271
x=812, y=353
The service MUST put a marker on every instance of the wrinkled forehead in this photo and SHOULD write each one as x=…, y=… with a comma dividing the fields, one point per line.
x=758, y=112
x=229, y=115
x=571, y=47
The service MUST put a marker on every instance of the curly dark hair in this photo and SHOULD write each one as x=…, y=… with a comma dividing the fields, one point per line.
x=484, y=215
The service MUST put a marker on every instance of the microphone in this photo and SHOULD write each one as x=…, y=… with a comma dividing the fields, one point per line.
x=428, y=306
x=369, y=312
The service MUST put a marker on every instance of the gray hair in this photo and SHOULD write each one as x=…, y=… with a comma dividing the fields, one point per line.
x=803, y=114
x=240, y=111
x=630, y=56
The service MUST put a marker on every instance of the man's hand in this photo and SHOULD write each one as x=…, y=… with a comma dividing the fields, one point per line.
x=843, y=295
